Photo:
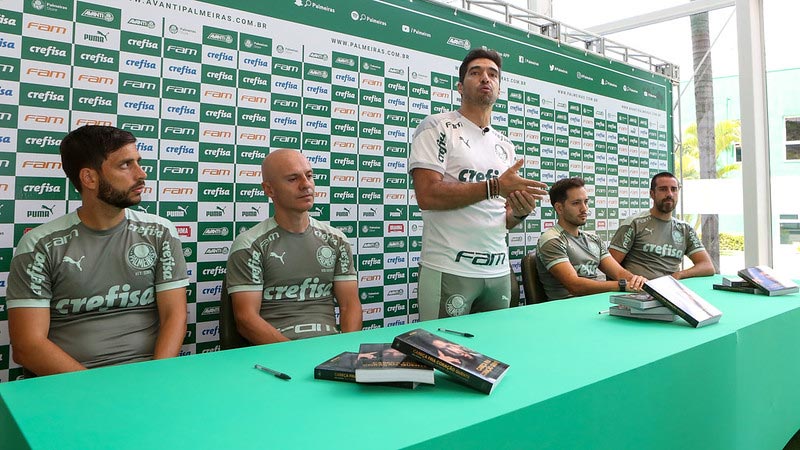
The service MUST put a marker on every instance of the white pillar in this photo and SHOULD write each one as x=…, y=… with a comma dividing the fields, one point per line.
x=756, y=186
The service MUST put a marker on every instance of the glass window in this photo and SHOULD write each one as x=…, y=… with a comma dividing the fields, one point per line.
x=793, y=138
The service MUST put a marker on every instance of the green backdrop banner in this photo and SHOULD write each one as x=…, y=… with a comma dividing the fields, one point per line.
x=210, y=87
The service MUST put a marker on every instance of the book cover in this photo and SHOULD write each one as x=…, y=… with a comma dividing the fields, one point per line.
x=763, y=278
x=467, y=366
x=735, y=282
x=656, y=310
x=380, y=363
x=635, y=300
x=683, y=301
x=745, y=289
x=624, y=311
x=342, y=367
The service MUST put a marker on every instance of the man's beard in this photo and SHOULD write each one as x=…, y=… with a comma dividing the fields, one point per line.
x=662, y=207
x=114, y=197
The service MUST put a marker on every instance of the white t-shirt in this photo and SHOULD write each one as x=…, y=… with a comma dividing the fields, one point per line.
x=468, y=241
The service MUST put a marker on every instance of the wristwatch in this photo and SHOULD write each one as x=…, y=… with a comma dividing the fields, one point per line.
x=623, y=283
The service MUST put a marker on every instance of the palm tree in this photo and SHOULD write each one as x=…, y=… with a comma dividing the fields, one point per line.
x=704, y=108
x=726, y=134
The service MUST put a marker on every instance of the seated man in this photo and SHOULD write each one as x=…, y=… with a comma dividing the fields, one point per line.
x=652, y=244
x=102, y=285
x=285, y=273
x=567, y=259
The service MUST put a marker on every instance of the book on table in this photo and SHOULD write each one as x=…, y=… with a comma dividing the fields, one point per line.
x=683, y=301
x=639, y=300
x=342, y=367
x=467, y=366
x=735, y=281
x=744, y=289
x=380, y=363
x=767, y=281
x=625, y=311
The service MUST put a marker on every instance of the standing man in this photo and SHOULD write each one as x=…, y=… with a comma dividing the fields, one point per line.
x=103, y=285
x=653, y=243
x=567, y=258
x=467, y=186
x=285, y=274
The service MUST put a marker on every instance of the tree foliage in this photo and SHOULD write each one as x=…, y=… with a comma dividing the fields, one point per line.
x=726, y=134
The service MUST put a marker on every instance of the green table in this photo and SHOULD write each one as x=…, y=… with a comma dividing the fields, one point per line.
x=577, y=380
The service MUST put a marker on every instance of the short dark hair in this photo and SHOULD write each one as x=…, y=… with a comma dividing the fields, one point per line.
x=661, y=175
x=558, y=191
x=88, y=146
x=476, y=53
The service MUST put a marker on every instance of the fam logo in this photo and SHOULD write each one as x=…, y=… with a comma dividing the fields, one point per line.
x=141, y=256
x=46, y=28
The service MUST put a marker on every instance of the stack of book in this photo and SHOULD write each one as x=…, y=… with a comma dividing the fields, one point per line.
x=375, y=364
x=664, y=298
x=410, y=360
x=758, y=280
x=640, y=306
x=736, y=284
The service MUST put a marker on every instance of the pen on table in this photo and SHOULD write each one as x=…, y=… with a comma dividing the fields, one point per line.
x=280, y=375
x=460, y=333
x=605, y=311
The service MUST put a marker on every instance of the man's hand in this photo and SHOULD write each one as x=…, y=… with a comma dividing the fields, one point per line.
x=635, y=283
x=521, y=203
x=510, y=181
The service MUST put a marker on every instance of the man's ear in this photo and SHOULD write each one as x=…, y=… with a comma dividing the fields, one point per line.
x=559, y=207
x=89, y=178
x=460, y=87
x=267, y=189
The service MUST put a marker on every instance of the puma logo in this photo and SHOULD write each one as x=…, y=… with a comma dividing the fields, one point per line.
x=465, y=141
x=648, y=230
x=185, y=209
x=277, y=256
x=77, y=263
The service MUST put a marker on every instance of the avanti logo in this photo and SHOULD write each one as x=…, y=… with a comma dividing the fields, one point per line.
x=459, y=42
x=142, y=23
x=220, y=37
x=99, y=15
